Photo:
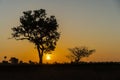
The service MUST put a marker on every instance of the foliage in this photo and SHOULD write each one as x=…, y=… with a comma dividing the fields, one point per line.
x=79, y=52
x=14, y=60
x=39, y=29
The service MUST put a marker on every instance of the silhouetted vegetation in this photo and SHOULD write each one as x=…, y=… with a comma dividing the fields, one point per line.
x=81, y=71
x=39, y=29
x=14, y=60
x=79, y=52
x=18, y=70
x=5, y=61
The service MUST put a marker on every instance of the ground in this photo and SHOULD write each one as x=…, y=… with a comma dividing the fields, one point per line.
x=60, y=72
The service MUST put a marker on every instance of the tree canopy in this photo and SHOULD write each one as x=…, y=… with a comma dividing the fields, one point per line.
x=39, y=29
x=79, y=52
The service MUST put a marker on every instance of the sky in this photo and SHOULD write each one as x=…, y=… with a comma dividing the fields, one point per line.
x=91, y=23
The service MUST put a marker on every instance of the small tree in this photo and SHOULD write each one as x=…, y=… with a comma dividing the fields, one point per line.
x=79, y=52
x=5, y=61
x=39, y=29
x=13, y=60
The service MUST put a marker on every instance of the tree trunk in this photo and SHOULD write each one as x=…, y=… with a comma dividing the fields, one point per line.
x=41, y=59
x=40, y=55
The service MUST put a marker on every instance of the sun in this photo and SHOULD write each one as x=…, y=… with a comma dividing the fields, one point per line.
x=48, y=57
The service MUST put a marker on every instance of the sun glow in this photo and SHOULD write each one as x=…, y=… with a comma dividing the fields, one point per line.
x=48, y=57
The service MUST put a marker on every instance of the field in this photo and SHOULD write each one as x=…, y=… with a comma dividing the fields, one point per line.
x=60, y=72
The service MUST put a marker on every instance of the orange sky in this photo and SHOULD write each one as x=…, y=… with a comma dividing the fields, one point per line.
x=90, y=23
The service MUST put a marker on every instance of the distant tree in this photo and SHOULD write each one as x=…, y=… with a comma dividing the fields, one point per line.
x=39, y=29
x=13, y=60
x=21, y=62
x=79, y=52
x=5, y=61
x=31, y=62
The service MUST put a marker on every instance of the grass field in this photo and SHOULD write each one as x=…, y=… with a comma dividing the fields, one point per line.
x=60, y=72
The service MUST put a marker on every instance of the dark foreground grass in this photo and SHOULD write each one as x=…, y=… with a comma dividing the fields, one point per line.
x=60, y=72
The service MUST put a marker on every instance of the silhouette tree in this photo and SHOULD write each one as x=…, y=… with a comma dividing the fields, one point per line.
x=31, y=62
x=5, y=61
x=13, y=60
x=79, y=52
x=21, y=62
x=39, y=29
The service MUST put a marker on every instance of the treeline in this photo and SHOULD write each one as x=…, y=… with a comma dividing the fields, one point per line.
x=14, y=60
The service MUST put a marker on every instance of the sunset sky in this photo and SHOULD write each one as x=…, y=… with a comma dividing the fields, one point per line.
x=91, y=23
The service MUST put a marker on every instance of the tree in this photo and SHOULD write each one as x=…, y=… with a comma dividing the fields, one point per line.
x=5, y=61
x=79, y=52
x=39, y=29
x=13, y=60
